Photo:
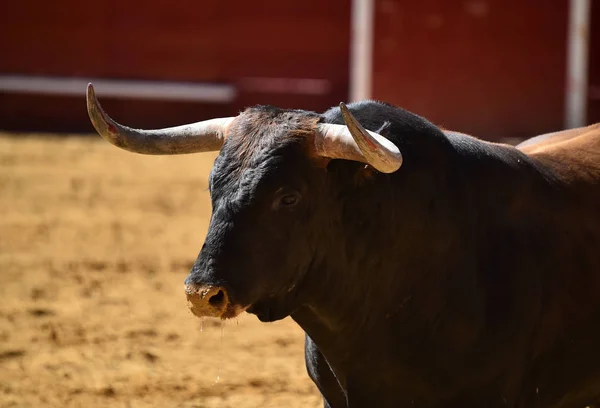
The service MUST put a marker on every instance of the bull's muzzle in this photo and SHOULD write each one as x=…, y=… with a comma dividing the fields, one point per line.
x=207, y=300
x=211, y=301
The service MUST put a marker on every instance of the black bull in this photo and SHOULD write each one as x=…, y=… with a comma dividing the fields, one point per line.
x=469, y=277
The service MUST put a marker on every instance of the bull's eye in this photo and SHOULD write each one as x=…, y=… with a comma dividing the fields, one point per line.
x=287, y=199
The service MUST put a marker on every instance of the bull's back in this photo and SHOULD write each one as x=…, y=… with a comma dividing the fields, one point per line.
x=547, y=139
x=572, y=156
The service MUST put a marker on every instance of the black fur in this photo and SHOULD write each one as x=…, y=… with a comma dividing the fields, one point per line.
x=429, y=287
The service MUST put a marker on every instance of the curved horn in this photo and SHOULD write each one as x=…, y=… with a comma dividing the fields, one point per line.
x=353, y=142
x=204, y=136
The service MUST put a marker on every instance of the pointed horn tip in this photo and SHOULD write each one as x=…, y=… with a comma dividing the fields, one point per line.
x=100, y=120
x=90, y=97
x=90, y=91
x=92, y=101
x=347, y=115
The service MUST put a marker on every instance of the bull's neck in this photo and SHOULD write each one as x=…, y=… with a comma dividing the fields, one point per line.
x=411, y=245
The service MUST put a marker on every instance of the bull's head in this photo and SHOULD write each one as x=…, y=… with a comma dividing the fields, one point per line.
x=271, y=195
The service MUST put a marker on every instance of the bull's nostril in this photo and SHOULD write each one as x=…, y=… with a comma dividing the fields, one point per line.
x=218, y=299
x=207, y=300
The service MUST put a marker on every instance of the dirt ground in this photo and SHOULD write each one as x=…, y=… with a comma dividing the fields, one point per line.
x=95, y=243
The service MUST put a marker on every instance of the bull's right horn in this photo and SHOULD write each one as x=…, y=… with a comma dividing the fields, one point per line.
x=353, y=142
x=204, y=136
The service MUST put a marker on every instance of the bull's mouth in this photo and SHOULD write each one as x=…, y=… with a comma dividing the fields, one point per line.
x=264, y=314
x=280, y=306
x=206, y=300
x=231, y=312
x=268, y=312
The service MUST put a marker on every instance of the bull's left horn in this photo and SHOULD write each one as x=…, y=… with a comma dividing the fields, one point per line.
x=204, y=136
x=353, y=142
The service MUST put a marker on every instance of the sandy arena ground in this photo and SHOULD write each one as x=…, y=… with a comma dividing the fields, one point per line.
x=95, y=243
